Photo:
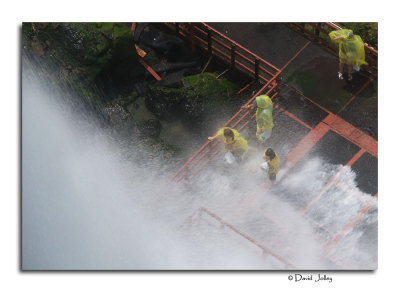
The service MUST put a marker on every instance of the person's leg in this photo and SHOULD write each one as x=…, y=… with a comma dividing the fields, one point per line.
x=340, y=73
x=264, y=133
x=264, y=136
x=350, y=72
x=349, y=68
x=272, y=177
x=258, y=132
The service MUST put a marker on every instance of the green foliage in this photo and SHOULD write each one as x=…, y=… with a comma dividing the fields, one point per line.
x=199, y=94
x=368, y=31
x=206, y=84
x=111, y=30
x=103, y=26
x=120, y=30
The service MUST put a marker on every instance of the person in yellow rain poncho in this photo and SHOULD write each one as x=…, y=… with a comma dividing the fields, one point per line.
x=235, y=146
x=271, y=164
x=264, y=106
x=351, y=51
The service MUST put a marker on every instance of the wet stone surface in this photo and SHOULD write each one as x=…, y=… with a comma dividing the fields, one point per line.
x=362, y=111
x=366, y=169
x=286, y=134
x=274, y=42
x=313, y=72
x=318, y=80
x=332, y=148
x=295, y=103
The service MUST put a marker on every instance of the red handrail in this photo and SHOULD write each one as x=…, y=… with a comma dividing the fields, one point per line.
x=238, y=45
x=252, y=240
x=205, y=36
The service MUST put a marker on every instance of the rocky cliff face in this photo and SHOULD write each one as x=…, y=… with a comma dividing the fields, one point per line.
x=98, y=63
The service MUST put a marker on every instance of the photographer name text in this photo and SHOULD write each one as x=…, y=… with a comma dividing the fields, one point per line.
x=313, y=278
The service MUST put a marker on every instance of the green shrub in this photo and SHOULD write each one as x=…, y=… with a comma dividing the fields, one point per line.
x=368, y=31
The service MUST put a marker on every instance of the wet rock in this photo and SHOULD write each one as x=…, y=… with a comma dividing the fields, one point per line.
x=150, y=128
x=139, y=111
x=86, y=53
x=199, y=94
x=121, y=69
x=130, y=98
x=75, y=43
x=157, y=149
x=164, y=102
x=138, y=30
x=166, y=67
x=37, y=47
x=204, y=93
x=166, y=45
x=151, y=58
x=117, y=115
x=175, y=79
x=141, y=88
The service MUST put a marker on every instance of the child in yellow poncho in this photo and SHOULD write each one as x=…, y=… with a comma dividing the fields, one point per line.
x=233, y=143
x=351, y=51
x=272, y=164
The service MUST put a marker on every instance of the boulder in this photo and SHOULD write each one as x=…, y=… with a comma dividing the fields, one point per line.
x=198, y=95
x=167, y=46
x=88, y=54
x=150, y=128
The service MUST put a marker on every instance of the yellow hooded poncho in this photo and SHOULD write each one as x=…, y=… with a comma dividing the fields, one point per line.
x=264, y=114
x=351, y=47
x=238, y=146
x=274, y=165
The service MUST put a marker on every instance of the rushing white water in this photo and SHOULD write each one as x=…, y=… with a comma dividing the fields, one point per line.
x=86, y=207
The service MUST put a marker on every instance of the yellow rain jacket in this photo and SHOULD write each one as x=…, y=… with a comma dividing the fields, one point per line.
x=238, y=146
x=274, y=165
x=264, y=114
x=351, y=48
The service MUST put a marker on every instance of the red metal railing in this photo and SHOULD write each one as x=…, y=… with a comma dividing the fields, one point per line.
x=214, y=43
x=349, y=226
x=264, y=249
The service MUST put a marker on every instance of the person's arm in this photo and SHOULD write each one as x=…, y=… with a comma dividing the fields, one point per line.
x=219, y=134
x=249, y=106
x=339, y=38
